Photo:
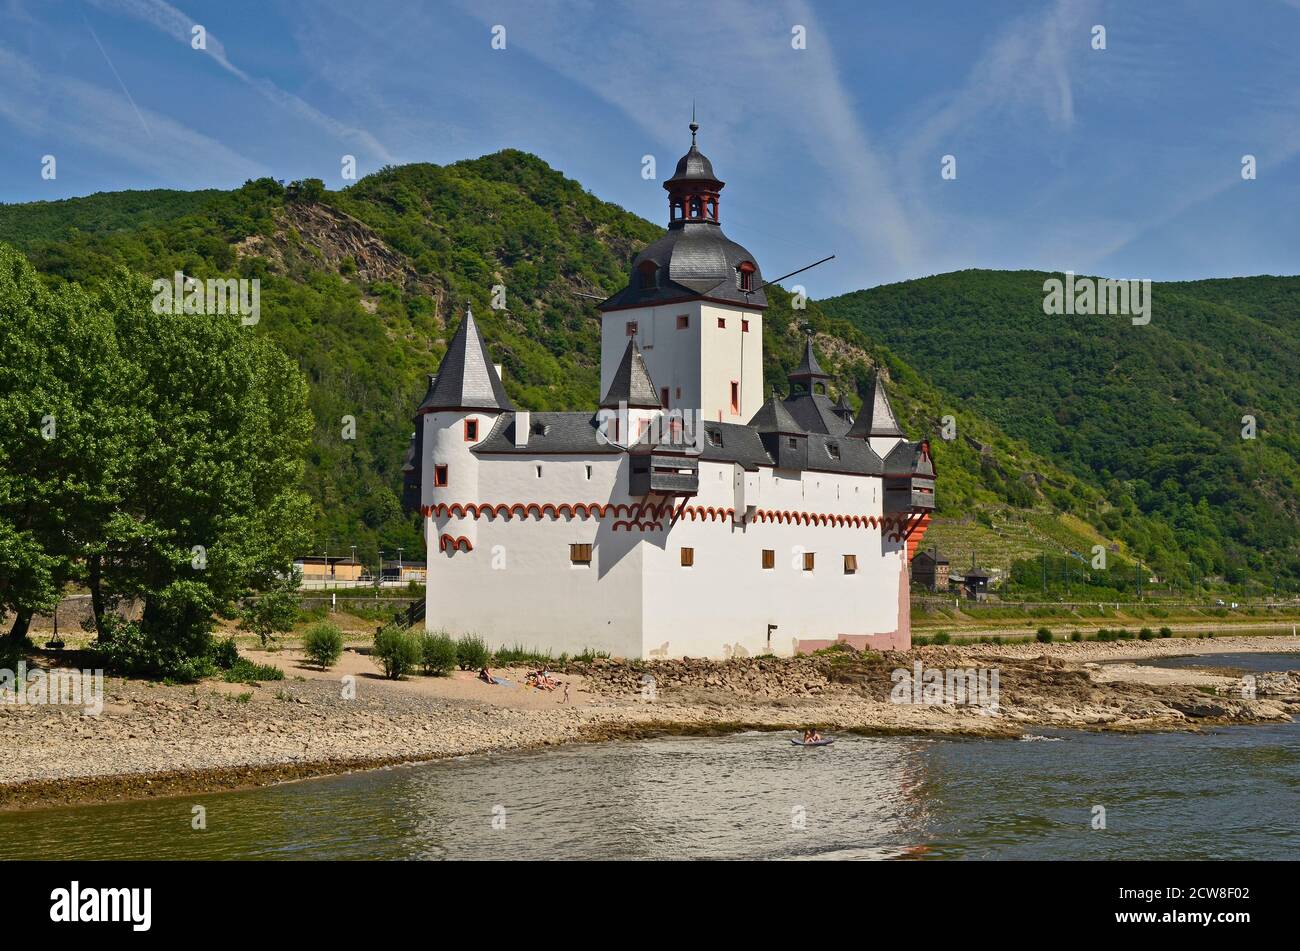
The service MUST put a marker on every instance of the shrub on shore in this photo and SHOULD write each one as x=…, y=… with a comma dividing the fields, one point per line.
x=244, y=671
x=471, y=652
x=1076, y=637
x=128, y=650
x=1044, y=635
x=323, y=644
x=942, y=637
x=397, y=650
x=1146, y=634
x=224, y=653
x=1166, y=632
x=438, y=653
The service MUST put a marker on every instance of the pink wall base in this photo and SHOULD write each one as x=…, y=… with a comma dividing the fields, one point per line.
x=899, y=639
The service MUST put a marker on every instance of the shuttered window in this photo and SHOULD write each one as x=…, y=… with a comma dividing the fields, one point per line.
x=580, y=554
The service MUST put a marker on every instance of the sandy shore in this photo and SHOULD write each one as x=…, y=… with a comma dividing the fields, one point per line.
x=153, y=740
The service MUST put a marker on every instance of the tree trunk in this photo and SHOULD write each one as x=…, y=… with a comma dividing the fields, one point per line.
x=22, y=622
x=96, y=596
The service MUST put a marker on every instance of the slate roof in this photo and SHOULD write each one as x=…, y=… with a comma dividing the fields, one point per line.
x=694, y=259
x=877, y=417
x=815, y=413
x=548, y=432
x=631, y=383
x=694, y=166
x=773, y=417
x=466, y=378
x=909, y=458
x=808, y=368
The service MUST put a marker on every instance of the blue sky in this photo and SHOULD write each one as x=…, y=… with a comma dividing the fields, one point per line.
x=1124, y=161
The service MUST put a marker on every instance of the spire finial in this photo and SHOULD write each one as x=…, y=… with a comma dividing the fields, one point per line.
x=695, y=126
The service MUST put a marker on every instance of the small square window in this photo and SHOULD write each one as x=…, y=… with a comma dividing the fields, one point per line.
x=631, y=328
x=809, y=558
x=769, y=558
x=715, y=438
x=792, y=442
x=580, y=554
x=439, y=477
x=471, y=430
x=744, y=326
x=722, y=323
x=683, y=321
x=850, y=564
x=833, y=450
x=663, y=397
x=688, y=557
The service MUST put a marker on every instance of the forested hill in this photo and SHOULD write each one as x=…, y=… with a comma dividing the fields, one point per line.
x=1152, y=414
x=361, y=285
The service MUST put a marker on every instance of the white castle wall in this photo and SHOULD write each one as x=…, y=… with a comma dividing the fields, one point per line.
x=517, y=585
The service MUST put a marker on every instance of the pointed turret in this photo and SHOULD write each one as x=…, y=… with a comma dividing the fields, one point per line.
x=631, y=383
x=809, y=371
x=466, y=378
x=877, y=417
x=842, y=409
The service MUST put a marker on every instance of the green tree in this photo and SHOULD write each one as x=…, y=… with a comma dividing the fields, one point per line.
x=64, y=436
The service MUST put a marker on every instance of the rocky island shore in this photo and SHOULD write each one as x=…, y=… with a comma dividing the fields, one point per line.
x=156, y=740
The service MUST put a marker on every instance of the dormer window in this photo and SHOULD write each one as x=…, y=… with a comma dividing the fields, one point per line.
x=649, y=272
x=833, y=450
x=745, y=276
x=715, y=438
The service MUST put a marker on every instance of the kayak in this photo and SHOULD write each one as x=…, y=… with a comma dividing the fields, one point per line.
x=823, y=742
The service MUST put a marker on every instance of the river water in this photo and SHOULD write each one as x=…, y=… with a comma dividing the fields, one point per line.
x=1228, y=793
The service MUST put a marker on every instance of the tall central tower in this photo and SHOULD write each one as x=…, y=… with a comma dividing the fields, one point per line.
x=694, y=304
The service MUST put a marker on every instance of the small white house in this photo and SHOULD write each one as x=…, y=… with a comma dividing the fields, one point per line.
x=687, y=515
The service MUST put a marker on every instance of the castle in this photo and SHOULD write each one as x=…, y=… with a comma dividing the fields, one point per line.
x=688, y=515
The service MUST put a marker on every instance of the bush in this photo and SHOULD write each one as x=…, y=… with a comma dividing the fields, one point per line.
x=397, y=650
x=471, y=652
x=1044, y=635
x=437, y=653
x=244, y=671
x=1105, y=634
x=1146, y=634
x=1166, y=632
x=1077, y=636
x=942, y=637
x=129, y=650
x=323, y=644
x=224, y=654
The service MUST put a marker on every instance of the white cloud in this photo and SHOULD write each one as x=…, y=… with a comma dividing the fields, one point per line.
x=172, y=21
x=54, y=109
